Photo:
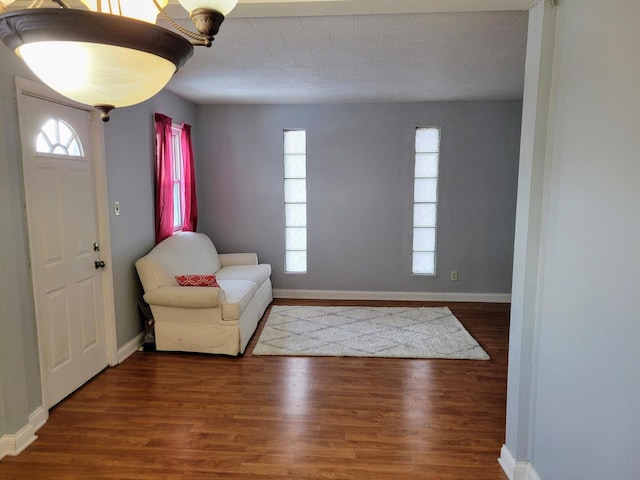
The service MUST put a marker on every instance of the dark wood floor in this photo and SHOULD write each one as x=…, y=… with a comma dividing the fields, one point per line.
x=189, y=416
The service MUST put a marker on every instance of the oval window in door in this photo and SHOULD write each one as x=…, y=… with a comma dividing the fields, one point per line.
x=58, y=137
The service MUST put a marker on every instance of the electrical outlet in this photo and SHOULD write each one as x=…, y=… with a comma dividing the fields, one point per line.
x=116, y=208
x=454, y=276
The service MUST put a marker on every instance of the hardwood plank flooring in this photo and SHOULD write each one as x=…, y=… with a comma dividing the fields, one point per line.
x=179, y=416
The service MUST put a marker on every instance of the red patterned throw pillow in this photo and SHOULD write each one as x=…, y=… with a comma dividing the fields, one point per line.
x=197, y=281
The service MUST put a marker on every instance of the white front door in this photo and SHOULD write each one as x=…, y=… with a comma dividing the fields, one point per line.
x=60, y=189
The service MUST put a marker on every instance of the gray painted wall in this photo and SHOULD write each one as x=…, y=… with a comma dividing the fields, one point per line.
x=19, y=365
x=129, y=154
x=582, y=421
x=586, y=422
x=129, y=144
x=360, y=191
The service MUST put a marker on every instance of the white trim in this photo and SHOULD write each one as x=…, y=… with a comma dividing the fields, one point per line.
x=38, y=418
x=130, y=347
x=13, y=445
x=399, y=296
x=104, y=233
x=363, y=7
x=532, y=4
x=507, y=462
x=516, y=470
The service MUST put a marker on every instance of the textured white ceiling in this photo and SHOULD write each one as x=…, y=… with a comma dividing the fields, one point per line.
x=329, y=51
x=412, y=52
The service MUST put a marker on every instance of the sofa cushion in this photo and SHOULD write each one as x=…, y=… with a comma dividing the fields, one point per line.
x=254, y=273
x=238, y=294
x=197, y=280
x=184, y=253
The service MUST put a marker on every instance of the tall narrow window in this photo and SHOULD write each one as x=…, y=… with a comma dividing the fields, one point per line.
x=425, y=200
x=175, y=202
x=177, y=177
x=295, y=200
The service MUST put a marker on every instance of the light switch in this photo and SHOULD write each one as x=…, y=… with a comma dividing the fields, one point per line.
x=116, y=208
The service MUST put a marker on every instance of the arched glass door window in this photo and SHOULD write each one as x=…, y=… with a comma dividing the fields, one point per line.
x=58, y=138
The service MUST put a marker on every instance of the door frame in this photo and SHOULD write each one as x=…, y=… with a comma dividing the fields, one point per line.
x=41, y=91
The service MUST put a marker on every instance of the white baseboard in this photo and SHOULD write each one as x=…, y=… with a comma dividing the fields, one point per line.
x=130, y=347
x=516, y=470
x=399, y=296
x=38, y=418
x=507, y=462
x=13, y=445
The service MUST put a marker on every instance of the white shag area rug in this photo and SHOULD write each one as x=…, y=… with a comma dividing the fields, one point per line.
x=391, y=332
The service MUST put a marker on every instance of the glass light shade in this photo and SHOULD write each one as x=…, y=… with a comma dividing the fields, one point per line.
x=97, y=74
x=102, y=60
x=222, y=6
x=3, y=5
x=143, y=10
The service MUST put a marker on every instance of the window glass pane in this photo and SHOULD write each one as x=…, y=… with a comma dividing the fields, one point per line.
x=426, y=164
x=424, y=239
x=427, y=140
x=424, y=263
x=295, y=215
x=42, y=144
x=65, y=133
x=74, y=148
x=295, y=166
x=56, y=136
x=426, y=190
x=177, y=164
x=296, y=262
x=50, y=130
x=295, y=191
x=296, y=238
x=295, y=141
x=177, y=210
x=424, y=215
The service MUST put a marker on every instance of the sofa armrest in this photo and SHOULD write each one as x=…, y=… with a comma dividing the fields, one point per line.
x=229, y=259
x=185, y=297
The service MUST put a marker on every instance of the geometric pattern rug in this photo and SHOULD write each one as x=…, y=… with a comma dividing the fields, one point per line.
x=391, y=332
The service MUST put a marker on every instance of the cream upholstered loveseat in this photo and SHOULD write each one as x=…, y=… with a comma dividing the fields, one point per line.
x=203, y=319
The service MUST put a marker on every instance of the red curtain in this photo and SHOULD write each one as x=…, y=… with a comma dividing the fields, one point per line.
x=164, y=180
x=190, y=202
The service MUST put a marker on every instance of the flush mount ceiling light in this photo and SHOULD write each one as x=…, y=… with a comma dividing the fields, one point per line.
x=111, y=55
